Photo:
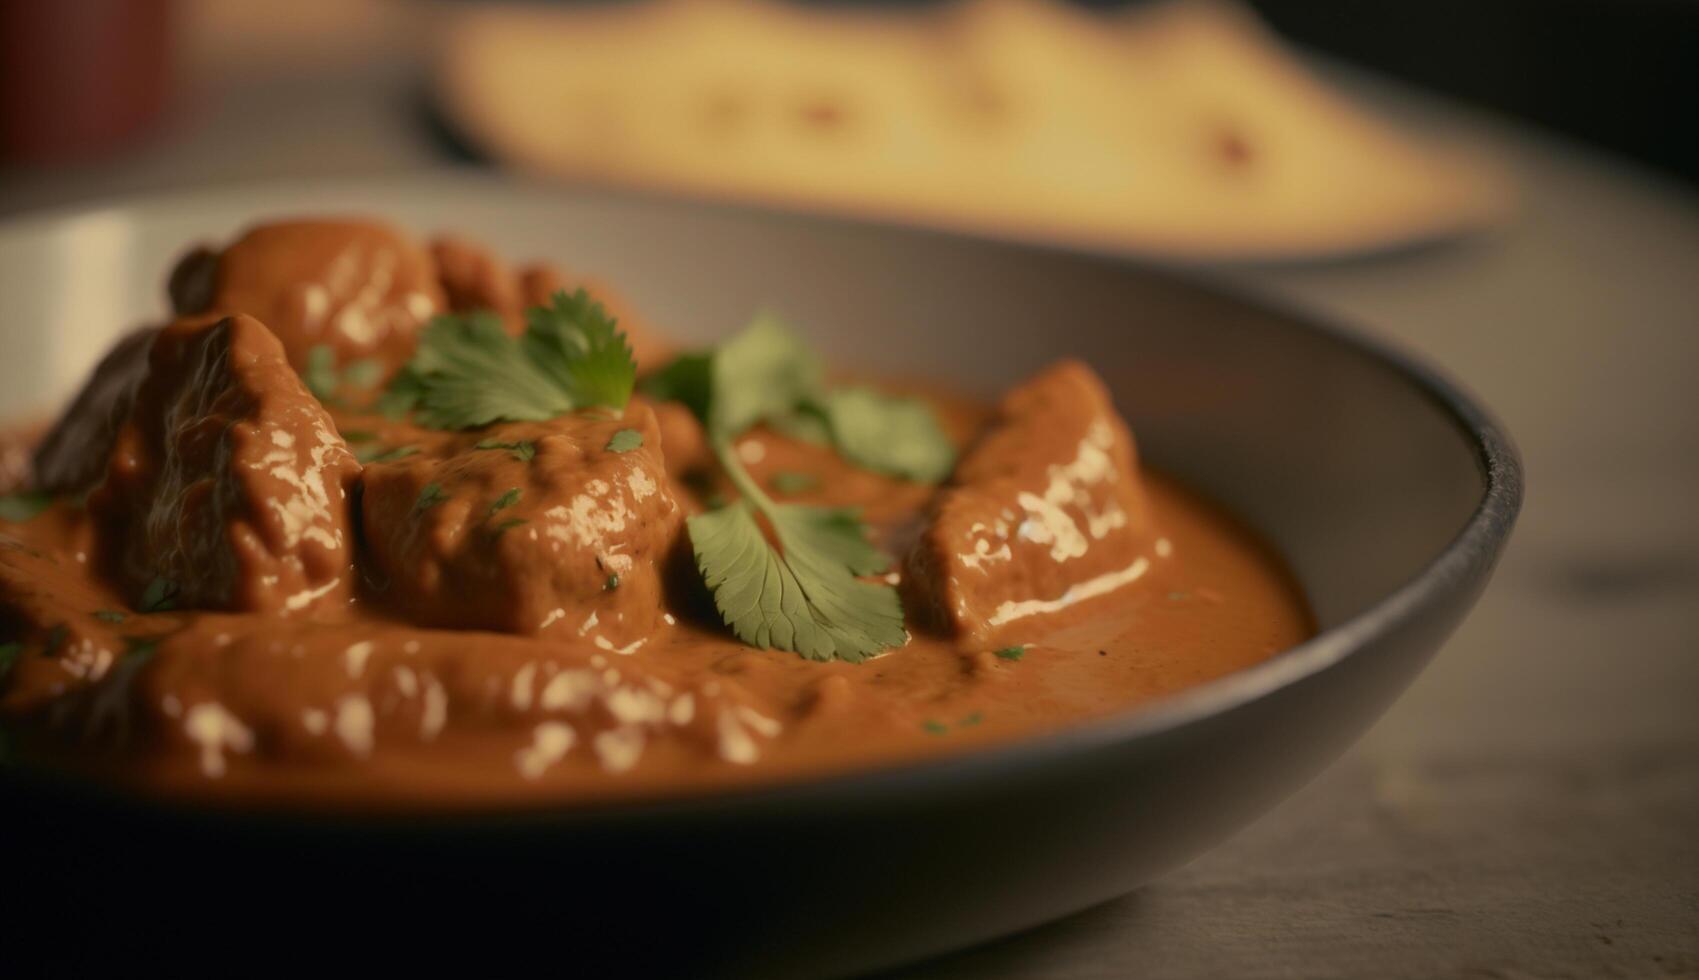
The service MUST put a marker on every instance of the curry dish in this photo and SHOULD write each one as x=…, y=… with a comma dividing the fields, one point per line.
x=375, y=523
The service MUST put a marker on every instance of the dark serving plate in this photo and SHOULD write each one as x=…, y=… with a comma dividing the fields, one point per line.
x=1390, y=492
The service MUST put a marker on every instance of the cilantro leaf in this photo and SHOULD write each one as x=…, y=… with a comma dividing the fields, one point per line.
x=687, y=379
x=763, y=372
x=403, y=394
x=806, y=594
x=467, y=372
x=323, y=379
x=1011, y=653
x=470, y=373
x=506, y=500
x=430, y=495
x=576, y=343
x=888, y=434
x=507, y=525
x=836, y=532
x=624, y=441
x=804, y=600
x=320, y=372
x=524, y=450
x=379, y=454
x=16, y=508
x=806, y=424
x=793, y=481
x=364, y=373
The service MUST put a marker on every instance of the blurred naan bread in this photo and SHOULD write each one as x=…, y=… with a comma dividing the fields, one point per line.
x=1182, y=130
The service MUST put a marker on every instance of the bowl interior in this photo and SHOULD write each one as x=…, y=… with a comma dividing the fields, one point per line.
x=1344, y=464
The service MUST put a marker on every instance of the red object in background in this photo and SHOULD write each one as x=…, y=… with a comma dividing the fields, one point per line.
x=80, y=78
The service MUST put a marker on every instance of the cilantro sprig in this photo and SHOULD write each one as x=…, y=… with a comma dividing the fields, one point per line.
x=767, y=374
x=803, y=595
x=782, y=575
x=468, y=372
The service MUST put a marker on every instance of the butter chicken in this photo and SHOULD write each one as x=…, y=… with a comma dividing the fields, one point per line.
x=373, y=523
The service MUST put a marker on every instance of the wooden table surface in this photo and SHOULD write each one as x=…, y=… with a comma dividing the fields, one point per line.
x=1531, y=807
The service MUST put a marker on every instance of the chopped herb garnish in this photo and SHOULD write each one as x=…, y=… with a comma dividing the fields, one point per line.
x=467, y=372
x=429, y=497
x=1011, y=653
x=505, y=526
x=506, y=500
x=624, y=441
x=109, y=616
x=971, y=720
x=791, y=481
x=364, y=373
x=159, y=596
x=9, y=653
x=896, y=436
x=16, y=508
x=56, y=638
x=359, y=435
x=324, y=380
x=524, y=450
x=935, y=727
x=612, y=583
x=378, y=454
x=320, y=372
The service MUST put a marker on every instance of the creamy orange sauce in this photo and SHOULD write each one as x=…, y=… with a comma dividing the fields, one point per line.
x=344, y=697
x=374, y=712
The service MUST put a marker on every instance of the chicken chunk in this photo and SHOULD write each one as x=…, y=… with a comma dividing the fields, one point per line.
x=360, y=288
x=1045, y=510
x=72, y=457
x=551, y=528
x=227, y=486
x=474, y=278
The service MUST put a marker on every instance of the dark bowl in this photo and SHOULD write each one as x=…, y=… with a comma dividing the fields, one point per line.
x=1390, y=492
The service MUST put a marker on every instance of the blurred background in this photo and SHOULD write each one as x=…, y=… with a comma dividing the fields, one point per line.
x=1506, y=187
x=107, y=95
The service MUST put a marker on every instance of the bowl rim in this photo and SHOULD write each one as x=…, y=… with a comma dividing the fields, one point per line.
x=1469, y=555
